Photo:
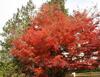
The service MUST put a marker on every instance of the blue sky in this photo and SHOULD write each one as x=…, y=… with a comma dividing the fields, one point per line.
x=8, y=7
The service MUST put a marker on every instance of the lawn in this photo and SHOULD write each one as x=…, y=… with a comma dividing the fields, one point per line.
x=1, y=74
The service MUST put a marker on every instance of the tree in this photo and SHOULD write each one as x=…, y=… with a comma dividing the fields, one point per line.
x=13, y=28
x=60, y=3
x=19, y=22
x=56, y=43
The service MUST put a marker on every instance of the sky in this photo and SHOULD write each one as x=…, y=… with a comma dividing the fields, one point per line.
x=9, y=7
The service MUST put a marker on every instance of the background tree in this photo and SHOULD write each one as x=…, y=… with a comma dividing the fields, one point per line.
x=13, y=28
x=61, y=4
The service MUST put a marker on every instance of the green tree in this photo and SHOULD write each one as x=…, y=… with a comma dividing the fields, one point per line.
x=61, y=4
x=13, y=28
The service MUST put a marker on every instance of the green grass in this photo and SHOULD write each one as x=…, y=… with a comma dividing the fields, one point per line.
x=1, y=74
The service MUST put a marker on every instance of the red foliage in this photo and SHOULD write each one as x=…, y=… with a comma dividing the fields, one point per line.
x=56, y=40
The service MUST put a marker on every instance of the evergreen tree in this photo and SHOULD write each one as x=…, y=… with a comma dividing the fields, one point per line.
x=61, y=4
x=13, y=28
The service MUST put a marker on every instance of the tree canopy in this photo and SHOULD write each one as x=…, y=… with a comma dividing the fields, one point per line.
x=56, y=42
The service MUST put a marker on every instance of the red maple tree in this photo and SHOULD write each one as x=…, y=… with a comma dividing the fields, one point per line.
x=56, y=41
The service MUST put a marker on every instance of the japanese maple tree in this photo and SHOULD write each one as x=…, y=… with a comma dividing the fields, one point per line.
x=57, y=42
